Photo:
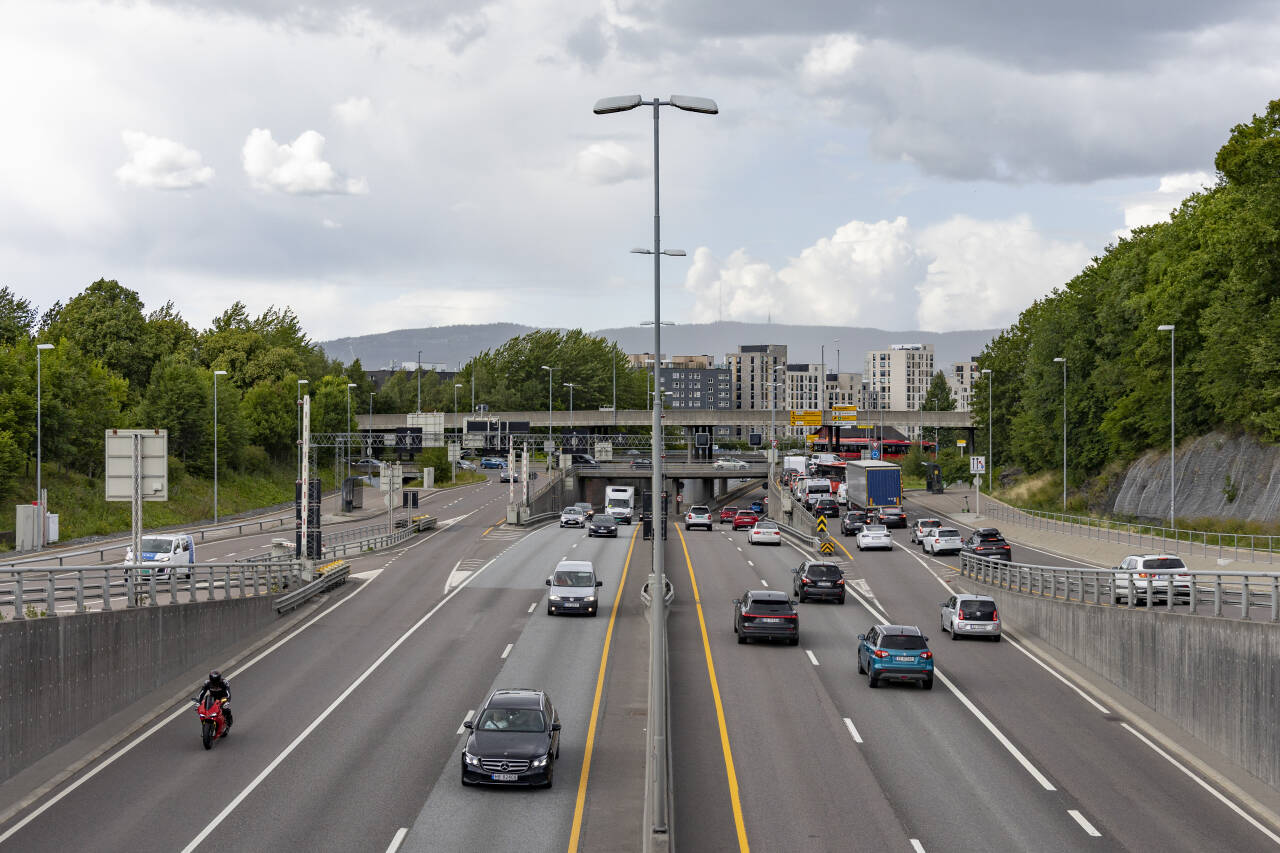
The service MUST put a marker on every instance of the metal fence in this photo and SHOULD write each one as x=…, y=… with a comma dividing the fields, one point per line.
x=378, y=536
x=1150, y=538
x=29, y=593
x=1241, y=595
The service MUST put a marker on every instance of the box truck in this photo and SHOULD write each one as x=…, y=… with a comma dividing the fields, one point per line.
x=871, y=483
x=620, y=502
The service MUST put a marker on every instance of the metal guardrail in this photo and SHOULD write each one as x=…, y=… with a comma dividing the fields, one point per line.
x=1148, y=538
x=380, y=540
x=30, y=593
x=331, y=576
x=1211, y=591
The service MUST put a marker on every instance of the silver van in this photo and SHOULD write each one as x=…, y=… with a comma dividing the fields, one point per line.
x=573, y=588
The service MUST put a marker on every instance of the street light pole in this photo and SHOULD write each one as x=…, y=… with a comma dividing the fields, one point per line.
x=419, y=409
x=990, y=428
x=1063, y=362
x=40, y=534
x=301, y=382
x=657, y=730
x=216, y=374
x=347, y=443
x=551, y=371
x=1173, y=441
x=569, y=385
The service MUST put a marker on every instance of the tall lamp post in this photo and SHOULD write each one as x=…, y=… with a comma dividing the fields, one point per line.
x=1173, y=442
x=39, y=449
x=347, y=444
x=986, y=371
x=773, y=408
x=551, y=371
x=1063, y=362
x=419, y=409
x=301, y=382
x=657, y=730
x=216, y=374
x=570, y=386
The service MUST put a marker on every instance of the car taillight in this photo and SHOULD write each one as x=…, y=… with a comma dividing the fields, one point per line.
x=805, y=580
x=937, y=541
x=959, y=615
x=995, y=615
x=840, y=582
x=880, y=653
x=926, y=655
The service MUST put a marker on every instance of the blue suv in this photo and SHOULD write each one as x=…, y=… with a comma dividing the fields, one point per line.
x=895, y=653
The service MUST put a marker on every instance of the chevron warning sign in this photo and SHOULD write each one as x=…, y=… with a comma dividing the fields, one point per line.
x=827, y=548
x=822, y=524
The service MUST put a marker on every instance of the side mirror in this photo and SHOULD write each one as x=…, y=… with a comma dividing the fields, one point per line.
x=468, y=725
x=862, y=636
x=795, y=571
x=942, y=604
x=926, y=639
x=548, y=581
x=737, y=601
x=599, y=583
x=555, y=727
x=793, y=601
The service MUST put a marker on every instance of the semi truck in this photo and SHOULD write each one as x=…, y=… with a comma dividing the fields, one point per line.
x=620, y=502
x=871, y=483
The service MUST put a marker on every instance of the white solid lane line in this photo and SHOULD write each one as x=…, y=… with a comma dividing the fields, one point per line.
x=1203, y=784
x=533, y=607
x=324, y=715
x=916, y=846
x=397, y=839
x=763, y=581
x=507, y=650
x=813, y=660
x=848, y=724
x=1084, y=823
x=462, y=728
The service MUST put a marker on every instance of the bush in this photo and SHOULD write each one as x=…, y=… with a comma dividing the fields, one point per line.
x=438, y=458
x=255, y=460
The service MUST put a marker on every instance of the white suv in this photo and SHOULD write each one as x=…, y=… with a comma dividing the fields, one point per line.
x=921, y=525
x=697, y=516
x=942, y=540
x=1141, y=574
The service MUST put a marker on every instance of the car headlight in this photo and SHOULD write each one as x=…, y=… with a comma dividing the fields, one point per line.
x=472, y=760
x=590, y=598
x=540, y=762
x=555, y=598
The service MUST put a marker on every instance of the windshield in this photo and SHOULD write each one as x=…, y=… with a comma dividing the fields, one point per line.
x=150, y=546
x=563, y=578
x=979, y=611
x=927, y=522
x=571, y=510
x=622, y=502
x=902, y=642
x=511, y=720
x=819, y=488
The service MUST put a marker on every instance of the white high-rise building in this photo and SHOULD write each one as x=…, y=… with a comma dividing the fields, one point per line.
x=960, y=379
x=898, y=378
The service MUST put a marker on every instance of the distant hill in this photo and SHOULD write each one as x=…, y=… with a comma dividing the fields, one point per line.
x=454, y=344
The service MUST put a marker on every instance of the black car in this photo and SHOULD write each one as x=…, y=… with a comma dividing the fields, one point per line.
x=602, y=524
x=826, y=506
x=987, y=542
x=853, y=521
x=818, y=580
x=509, y=476
x=766, y=614
x=514, y=740
x=644, y=463
x=893, y=516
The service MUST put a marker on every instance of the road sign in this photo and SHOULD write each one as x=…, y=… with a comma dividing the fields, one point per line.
x=827, y=548
x=875, y=454
x=809, y=438
x=977, y=464
x=774, y=442
x=153, y=461
x=822, y=524
x=604, y=451
x=845, y=417
x=455, y=451
x=960, y=442
x=844, y=408
x=806, y=417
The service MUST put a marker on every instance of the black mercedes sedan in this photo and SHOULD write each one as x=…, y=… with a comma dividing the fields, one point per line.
x=514, y=740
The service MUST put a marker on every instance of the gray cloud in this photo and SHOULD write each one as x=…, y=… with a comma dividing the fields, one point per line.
x=328, y=15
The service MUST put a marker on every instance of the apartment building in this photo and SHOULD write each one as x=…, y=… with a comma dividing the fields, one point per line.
x=752, y=367
x=897, y=378
x=802, y=391
x=961, y=378
x=694, y=362
x=698, y=387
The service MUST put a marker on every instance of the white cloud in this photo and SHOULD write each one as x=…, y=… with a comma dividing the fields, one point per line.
x=353, y=111
x=1154, y=207
x=330, y=224
x=830, y=59
x=298, y=168
x=608, y=163
x=161, y=164
x=963, y=273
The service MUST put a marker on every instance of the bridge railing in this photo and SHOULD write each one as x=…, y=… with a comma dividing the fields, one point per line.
x=1147, y=538
x=1239, y=595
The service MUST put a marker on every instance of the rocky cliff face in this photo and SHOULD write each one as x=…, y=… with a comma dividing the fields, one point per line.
x=1217, y=476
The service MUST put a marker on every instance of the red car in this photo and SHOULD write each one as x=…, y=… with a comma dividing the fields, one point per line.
x=745, y=519
x=728, y=513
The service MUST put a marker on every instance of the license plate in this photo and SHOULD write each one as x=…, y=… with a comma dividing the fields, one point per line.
x=571, y=604
x=824, y=583
x=904, y=659
x=768, y=619
x=505, y=777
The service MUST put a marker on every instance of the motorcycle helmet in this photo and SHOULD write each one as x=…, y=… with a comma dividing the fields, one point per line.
x=215, y=677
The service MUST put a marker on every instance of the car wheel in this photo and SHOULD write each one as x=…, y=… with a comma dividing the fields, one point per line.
x=550, y=771
x=794, y=641
x=859, y=546
x=594, y=612
x=953, y=632
x=996, y=638
x=872, y=681
x=801, y=597
x=840, y=600
x=742, y=640
x=550, y=612
x=464, y=780
x=861, y=669
x=927, y=684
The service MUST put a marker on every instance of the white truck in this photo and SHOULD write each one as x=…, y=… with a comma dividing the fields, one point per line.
x=620, y=502
x=162, y=551
x=795, y=463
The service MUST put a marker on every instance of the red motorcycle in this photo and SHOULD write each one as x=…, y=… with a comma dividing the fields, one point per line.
x=213, y=722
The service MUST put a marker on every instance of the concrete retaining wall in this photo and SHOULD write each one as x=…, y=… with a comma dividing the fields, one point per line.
x=61, y=675
x=1217, y=678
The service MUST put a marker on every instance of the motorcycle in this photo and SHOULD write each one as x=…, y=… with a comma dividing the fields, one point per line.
x=213, y=722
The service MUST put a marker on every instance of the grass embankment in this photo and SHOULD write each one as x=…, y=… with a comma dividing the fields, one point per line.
x=83, y=510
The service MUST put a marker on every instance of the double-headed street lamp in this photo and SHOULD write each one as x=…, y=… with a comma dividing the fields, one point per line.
x=1063, y=362
x=39, y=448
x=657, y=732
x=216, y=374
x=1173, y=442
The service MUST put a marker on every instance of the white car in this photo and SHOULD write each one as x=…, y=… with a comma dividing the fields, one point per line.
x=918, y=529
x=572, y=516
x=974, y=615
x=874, y=536
x=764, y=533
x=1139, y=573
x=942, y=540
x=729, y=465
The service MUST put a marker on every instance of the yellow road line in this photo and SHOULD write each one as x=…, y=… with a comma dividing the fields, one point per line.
x=730, y=773
x=580, y=803
x=487, y=529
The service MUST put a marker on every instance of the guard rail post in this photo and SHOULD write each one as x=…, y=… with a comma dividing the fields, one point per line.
x=1244, y=596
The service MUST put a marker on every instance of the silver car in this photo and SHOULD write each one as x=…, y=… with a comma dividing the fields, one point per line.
x=967, y=614
x=923, y=524
x=1140, y=574
x=698, y=516
x=572, y=516
x=942, y=540
x=573, y=588
x=874, y=536
x=729, y=464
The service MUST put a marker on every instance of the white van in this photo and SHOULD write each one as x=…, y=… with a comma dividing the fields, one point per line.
x=620, y=502
x=162, y=550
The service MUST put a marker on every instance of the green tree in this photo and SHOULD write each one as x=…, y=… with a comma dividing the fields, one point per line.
x=106, y=322
x=82, y=399
x=269, y=411
x=180, y=400
x=17, y=318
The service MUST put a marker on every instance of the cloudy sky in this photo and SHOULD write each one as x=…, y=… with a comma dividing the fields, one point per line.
x=396, y=163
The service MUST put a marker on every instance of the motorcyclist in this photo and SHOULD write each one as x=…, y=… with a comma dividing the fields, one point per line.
x=219, y=688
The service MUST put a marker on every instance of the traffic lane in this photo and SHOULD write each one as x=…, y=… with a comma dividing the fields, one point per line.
x=926, y=747
x=559, y=654
x=369, y=769
x=786, y=731
x=1126, y=788
x=275, y=699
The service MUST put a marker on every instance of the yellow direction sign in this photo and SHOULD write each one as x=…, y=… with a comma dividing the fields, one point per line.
x=845, y=418
x=822, y=524
x=806, y=417
x=844, y=408
x=827, y=548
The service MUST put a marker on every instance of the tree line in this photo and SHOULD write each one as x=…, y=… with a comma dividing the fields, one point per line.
x=1212, y=272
